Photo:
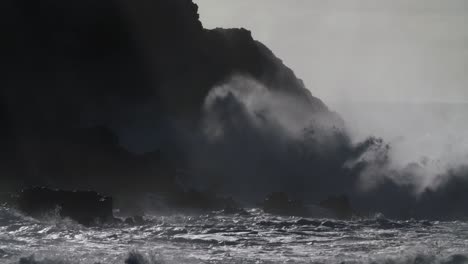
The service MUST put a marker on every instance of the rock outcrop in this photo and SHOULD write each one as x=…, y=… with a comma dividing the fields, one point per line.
x=124, y=66
x=339, y=205
x=110, y=96
x=84, y=207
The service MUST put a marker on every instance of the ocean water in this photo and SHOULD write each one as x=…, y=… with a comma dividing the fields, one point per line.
x=218, y=238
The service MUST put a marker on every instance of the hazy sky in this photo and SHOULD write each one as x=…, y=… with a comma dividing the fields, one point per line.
x=361, y=50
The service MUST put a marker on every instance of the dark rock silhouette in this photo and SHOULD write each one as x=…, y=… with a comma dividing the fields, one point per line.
x=138, y=219
x=85, y=207
x=109, y=95
x=135, y=220
x=279, y=203
x=231, y=207
x=87, y=84
x=339, y=205
x=101, y=95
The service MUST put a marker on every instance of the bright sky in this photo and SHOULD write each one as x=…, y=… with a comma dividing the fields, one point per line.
x=361, y=50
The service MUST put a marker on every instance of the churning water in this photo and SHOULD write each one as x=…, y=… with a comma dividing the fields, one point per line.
x=218, y=238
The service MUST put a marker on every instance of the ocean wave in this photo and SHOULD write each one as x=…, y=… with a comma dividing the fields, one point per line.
x=9, y=215
x=260, y=238
x=133, y=257
x=136, y=257
x=420, y=258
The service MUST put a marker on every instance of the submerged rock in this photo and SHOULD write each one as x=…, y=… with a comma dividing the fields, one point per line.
x=85, y=207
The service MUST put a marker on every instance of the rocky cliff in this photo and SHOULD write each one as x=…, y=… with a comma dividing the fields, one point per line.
x=84, y=82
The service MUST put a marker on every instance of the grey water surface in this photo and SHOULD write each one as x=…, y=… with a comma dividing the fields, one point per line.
x=218, y=238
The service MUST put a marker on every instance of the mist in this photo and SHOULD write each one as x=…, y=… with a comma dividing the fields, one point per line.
x=391, y=70
x=429, y=135
x=255, y=140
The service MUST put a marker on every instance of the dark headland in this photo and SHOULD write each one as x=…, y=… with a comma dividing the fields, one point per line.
x=133, y=98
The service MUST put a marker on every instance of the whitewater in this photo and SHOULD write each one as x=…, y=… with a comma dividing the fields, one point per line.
x=218, y=238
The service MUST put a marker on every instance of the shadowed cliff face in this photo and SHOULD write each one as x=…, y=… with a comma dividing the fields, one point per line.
x=136, y=96
x=89, y=87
